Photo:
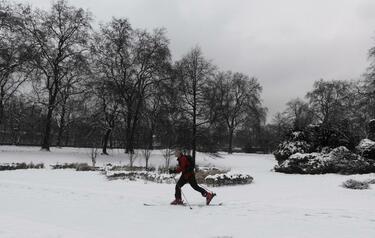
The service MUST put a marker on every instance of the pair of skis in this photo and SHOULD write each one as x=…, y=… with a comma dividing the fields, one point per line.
x=187, y=204
x=184, y=204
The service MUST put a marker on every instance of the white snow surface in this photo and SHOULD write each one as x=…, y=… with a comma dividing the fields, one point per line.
x=68, y=204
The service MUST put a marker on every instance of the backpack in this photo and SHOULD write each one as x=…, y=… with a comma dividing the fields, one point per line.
x=191, y=162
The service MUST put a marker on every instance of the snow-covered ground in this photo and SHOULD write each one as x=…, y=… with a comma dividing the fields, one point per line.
x=65, y=203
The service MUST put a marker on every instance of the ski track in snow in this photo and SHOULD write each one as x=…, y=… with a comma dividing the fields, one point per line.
x=69, y=204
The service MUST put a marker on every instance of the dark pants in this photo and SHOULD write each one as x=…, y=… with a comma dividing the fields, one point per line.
x=193, y=183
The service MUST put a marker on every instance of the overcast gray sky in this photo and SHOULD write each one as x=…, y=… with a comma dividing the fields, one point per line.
x=286, y=44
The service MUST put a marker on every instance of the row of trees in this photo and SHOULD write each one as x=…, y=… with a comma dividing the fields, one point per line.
x=64, y=83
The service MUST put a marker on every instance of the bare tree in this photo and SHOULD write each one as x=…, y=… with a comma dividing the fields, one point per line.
x=146, y=152
x=13, y=55
x=299, y=113
x=93, y=154
x=328, y=99
x=132, y=61
x=107, y=110
x=57, y=36
x=73, y=85
x=193, y=72
x=132, y=157
x=237, y=96
x=167, y=154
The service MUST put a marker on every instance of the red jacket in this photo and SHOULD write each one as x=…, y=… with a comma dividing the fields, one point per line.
x=184, y=166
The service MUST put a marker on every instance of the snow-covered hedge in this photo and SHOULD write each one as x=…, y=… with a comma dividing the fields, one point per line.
x=339, y=160
x=126, y=168
x=228, y=179
x=202, y=172
x=295, y=144
x=14, y=166
x=144, y=175
x=76, y=166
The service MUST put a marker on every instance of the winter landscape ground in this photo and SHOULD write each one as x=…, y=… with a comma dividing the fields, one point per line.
x=66, y=203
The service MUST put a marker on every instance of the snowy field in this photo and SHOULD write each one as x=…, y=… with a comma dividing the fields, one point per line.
x=65, y=203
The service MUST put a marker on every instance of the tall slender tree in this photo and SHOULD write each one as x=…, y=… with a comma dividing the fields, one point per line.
x=194, y=72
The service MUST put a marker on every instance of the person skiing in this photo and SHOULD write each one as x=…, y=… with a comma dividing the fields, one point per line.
x=186, y=167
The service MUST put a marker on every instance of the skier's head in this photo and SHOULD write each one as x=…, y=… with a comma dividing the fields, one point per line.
x=177, y=152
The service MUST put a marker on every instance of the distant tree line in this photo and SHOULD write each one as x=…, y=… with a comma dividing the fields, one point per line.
x=64, y=83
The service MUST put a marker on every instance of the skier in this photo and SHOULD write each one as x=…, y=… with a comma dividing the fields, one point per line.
x=186, y=166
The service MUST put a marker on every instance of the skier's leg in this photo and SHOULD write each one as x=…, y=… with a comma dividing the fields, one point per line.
x=193, y=183
x=181, y=182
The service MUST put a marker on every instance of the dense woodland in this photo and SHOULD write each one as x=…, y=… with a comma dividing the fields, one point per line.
x=64, y=82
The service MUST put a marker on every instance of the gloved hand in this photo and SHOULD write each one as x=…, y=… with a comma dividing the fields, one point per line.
x=172, y=171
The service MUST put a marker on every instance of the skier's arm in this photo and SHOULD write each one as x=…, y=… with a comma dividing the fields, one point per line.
x=183, y=165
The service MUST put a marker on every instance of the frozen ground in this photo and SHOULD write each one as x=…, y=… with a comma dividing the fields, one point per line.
x=65, y=203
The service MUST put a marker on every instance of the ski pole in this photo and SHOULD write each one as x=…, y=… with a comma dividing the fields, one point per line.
x=184, y=196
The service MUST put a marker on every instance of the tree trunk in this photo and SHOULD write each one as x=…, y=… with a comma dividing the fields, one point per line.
x=230, y=142
x=47, y=132
x=67, y=137
x=1, y=111
x=151, y=137
x=132, y=125
x=61, y=128
x=2, y=94
x=128, y=134
x=194, y=142
x=105, y=141
x=51, y=106
x=132, y=134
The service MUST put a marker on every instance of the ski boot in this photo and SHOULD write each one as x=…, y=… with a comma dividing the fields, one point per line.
x=177, y=201
x=209, y=197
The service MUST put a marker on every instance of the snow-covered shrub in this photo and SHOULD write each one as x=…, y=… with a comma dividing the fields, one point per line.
x=309, y=163
x=85, y=167
x=366, y=148
x=371, y=127
x=288, y=148
x=228, y=179
x=354, y=184
x=14, y=166
x=339, y=160
x=64, y=166
x=202, y=172
x=346, y=162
